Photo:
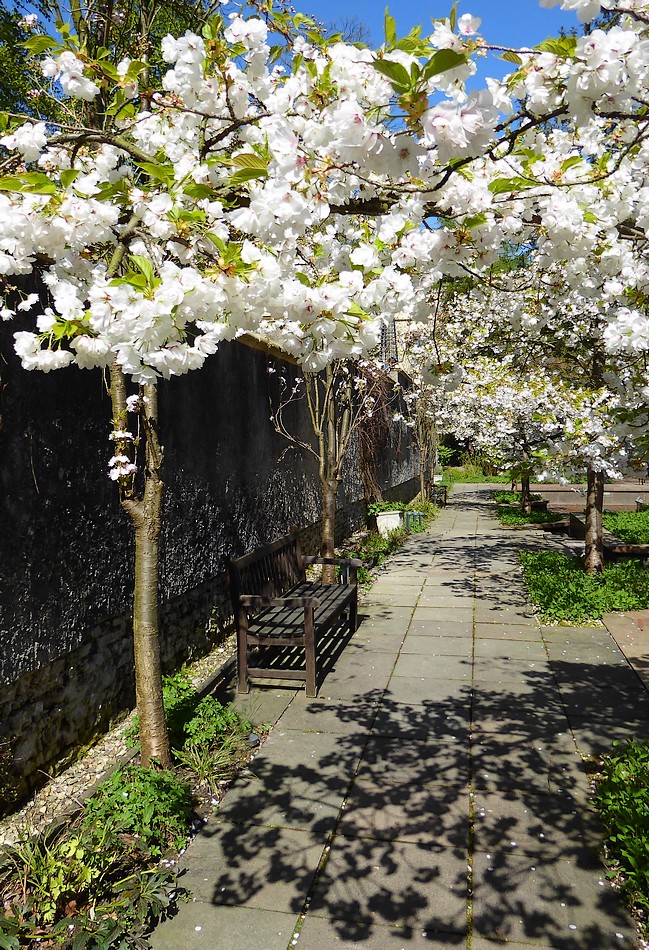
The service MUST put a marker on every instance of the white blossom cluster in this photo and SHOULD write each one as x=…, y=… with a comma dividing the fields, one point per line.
x=312, y=203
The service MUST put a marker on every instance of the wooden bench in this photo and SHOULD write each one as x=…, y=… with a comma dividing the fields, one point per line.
x=275, y=606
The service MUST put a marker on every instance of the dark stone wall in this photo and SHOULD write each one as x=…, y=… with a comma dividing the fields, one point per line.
x=66, y=576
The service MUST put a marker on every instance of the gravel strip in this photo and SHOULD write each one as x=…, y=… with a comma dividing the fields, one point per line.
x=64, y=793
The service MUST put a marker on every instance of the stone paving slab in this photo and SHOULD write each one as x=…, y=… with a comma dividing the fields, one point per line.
x=320, y=933
x=200, y=925
x=321, y=715
x=437, y=646
x=427, y=814
x=444, y=719
x=254, y=866
x=398, y=760
x=420, y=691
x=506, y=631
x=531, y=822
x=394, y=882
x=563, y=902
x=433, y=667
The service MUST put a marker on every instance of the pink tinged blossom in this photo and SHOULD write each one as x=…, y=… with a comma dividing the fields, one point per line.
x=468, y=25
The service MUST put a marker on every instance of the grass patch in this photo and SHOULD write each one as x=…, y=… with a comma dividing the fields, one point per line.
x=622, y=799
x=558, y=585
x=629, y=526
x=512, y=516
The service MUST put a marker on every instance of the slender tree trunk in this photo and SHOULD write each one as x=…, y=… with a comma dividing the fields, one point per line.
x=329, y=493
x=593, y=542
x=145, y=514
x=526, y=499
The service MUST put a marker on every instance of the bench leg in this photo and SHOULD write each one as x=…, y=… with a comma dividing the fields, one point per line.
x=353, y=616
x=309, y=650
x=242, y=654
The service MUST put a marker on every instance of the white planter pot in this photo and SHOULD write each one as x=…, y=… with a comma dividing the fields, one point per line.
x=387, y=521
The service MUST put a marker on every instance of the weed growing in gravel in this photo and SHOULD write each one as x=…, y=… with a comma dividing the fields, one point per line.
x=154, y=806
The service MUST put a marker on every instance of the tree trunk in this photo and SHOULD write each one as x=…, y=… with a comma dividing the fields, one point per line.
x=526, y=499
x=145, y=514
x=593, y=542
x=329, y=492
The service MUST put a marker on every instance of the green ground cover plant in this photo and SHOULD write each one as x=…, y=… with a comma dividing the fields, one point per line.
x=505, y=497
x=622, y=799
x=558, y=585
x=513, y=516
x=473, y=473
x=154, y=806
x=629, y=526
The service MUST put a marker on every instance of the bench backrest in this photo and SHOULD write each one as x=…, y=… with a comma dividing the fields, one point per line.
x=270, y=571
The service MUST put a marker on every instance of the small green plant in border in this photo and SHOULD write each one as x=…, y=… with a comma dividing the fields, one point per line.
x=513, y=516
x=622, y=799
x=559, y=586
x=373, y=549
x=154, y=806
x=629, y=526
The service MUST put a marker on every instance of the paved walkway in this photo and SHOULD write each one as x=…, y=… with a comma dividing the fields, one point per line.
x=434, y=794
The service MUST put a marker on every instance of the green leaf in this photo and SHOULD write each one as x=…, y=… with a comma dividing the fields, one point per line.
x=160, y=172
x=39, y=44
x=250, y=160
x=571, y=162
x=198, y=191
x=35, y=183
x=395, y=72
x=443, y=60
x=559, y=46
x=512, y=58
x=145, y=267
x=218, y=242
x=390, y=27
x=501, y=186
x=453, y=16
x=68, y=175
x=247, y=174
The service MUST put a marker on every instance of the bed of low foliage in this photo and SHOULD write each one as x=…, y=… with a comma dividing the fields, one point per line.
x=558, y=585
x=629, y=526
x=514, y=516
x=102, y=879
x=622, y=799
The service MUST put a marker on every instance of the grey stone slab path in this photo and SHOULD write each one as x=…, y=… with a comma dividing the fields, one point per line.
x=434, y=794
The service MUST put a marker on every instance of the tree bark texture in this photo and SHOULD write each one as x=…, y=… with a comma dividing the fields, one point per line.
x=594, y=542
x=526, y=496
x=145, y=514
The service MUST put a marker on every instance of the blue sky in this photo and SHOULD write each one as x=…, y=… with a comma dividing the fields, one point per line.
x=504, y=22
